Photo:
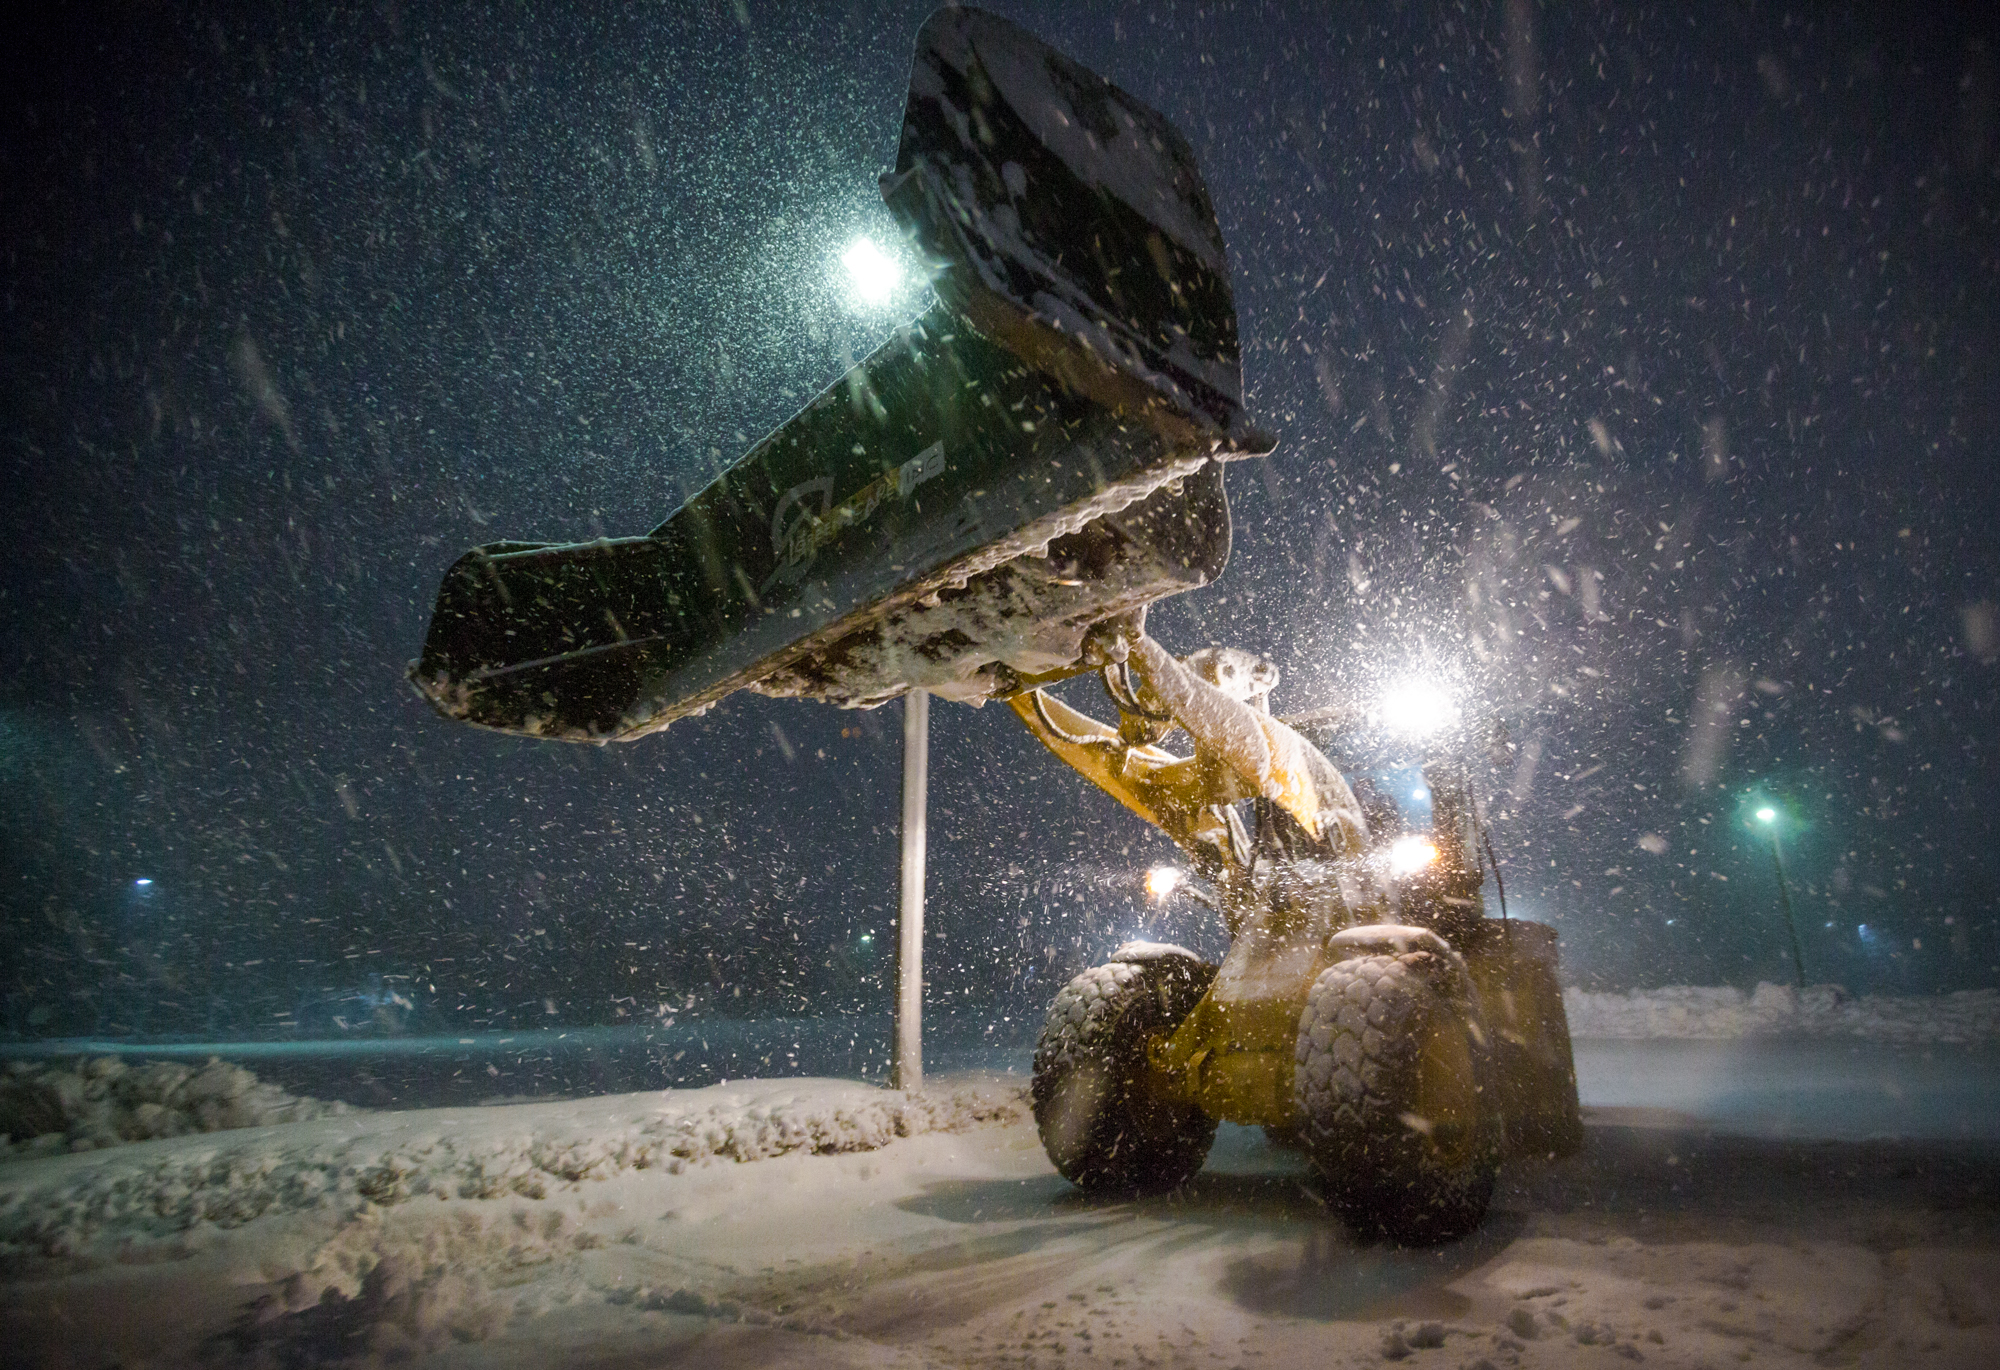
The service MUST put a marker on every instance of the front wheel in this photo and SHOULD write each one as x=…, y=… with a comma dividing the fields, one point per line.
x=1393, y=1090
x=1102, y=1128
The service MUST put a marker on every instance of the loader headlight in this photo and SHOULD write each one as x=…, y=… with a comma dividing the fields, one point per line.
x=1162, y=881
x=1409, y=855
x=871, y=273
x=1416, y=708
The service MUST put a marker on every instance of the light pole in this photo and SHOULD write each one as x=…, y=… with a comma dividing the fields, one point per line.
x=909, y=1057
x=1768, y=816
x=873, y=278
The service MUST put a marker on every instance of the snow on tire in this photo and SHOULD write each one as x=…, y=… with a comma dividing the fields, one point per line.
x=1099, y=1125
x=1393, y=1085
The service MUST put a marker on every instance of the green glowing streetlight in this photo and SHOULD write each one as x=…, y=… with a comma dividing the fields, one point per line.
x=1768, y=816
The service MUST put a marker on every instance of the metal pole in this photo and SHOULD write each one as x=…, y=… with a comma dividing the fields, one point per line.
x=1785, y=897
x=909, y=1058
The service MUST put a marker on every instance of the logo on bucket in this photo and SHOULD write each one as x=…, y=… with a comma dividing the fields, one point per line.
x=799, y=529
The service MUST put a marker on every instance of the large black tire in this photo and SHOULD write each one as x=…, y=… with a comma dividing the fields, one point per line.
x=1397, y=1110
x=1100, y=1126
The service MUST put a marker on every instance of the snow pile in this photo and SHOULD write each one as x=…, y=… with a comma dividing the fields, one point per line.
x=81, y=1105
x=1725, y=1012
x=83, y=1207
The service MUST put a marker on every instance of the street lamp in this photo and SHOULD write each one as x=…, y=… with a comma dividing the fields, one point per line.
x=871, y=273
x=1768, y=816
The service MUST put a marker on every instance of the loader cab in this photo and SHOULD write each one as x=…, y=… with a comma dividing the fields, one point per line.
x=1395, y=792
x=1421, y=822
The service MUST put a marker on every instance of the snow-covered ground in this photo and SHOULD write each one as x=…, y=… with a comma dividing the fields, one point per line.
x=87, y=1104
x=831, y=1223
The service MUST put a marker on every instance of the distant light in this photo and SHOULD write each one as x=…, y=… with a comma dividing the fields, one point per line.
x=1411, y=854
x=1420, y=794
x=1162, y=881
x=142, y=882
x=1417, y=708
x=872, y=274
x=867, y=937
x=1767, y=815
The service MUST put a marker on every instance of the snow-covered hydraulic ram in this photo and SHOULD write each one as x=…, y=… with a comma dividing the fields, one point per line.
x=1038, y=452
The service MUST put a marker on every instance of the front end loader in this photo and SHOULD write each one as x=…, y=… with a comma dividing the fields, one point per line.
x=986, y=505
x=1367, y=1010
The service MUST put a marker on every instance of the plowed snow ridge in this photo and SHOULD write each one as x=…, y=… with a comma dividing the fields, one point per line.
x=1968, y=1017
x=81, y=1206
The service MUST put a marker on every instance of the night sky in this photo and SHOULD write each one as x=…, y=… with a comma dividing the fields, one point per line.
x=1636, y=370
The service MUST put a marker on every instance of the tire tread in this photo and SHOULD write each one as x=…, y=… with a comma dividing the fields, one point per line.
x=1354, y=1073
x=1100, y=1129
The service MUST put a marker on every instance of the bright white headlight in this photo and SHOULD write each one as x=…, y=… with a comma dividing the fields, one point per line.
x=1411, y=854
x=1162, y=881
x=1417, y=708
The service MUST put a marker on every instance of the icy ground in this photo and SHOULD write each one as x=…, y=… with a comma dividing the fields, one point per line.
x=830, y=1223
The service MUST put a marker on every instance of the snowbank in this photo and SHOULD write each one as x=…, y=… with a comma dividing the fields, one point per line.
x=87, y=1207
x=82, y=1105
x=1665, y=1243
x=1968, y=1017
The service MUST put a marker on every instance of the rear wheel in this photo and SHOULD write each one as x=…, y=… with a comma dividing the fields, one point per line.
x=1392, y=1084
x=1102, y=1128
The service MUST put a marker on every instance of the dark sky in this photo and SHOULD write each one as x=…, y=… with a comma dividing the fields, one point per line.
x=1636, y=369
